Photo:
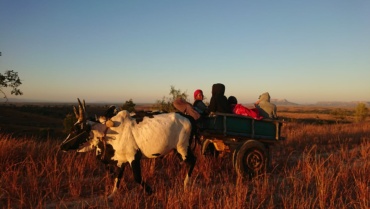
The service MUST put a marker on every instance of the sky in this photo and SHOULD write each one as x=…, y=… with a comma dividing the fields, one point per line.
x=117, y=50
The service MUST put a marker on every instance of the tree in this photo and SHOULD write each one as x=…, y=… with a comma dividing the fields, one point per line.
x=361, y=112
x=129, y=106
x=12, y=80
x=165, y=104
x=68, y=122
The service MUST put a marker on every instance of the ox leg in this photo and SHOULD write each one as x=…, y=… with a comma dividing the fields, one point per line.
x=136, y=169
x=190, y=161
x=117, y=181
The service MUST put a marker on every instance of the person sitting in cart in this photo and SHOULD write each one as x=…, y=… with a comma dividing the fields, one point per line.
x=239, y=109
x=198, y=104
x=218, y=101
x=265, y=107
x=186, y=108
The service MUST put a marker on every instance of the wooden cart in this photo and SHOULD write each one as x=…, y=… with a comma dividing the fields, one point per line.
x=248, y=140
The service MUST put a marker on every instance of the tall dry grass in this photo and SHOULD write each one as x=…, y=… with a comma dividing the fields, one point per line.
x=318, y=166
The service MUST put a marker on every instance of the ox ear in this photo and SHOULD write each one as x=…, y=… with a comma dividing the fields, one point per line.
x=102, y=119
x=109, y=123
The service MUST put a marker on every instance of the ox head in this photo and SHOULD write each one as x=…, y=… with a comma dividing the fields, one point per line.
x=80, y=131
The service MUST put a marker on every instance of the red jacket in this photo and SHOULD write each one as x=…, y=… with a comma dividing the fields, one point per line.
x=241, y=110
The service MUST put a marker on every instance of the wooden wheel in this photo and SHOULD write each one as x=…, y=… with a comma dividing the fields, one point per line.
x=251, y=159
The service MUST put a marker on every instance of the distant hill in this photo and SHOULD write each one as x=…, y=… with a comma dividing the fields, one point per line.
x=340, y=104
x=283, y=102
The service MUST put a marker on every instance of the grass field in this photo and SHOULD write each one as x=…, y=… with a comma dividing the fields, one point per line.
x=323, y=163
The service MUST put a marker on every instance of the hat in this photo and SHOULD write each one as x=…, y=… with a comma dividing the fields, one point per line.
x=218, y=89
x=196, y=92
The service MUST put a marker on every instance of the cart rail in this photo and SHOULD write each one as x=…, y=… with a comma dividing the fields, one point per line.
x=225, y=125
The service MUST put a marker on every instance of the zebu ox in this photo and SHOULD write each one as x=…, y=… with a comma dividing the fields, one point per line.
x=128, y=140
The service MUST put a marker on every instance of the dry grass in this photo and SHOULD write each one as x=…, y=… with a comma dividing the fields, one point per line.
x=318, y=166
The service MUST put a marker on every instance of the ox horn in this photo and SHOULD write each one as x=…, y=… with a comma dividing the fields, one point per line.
x=81, y=114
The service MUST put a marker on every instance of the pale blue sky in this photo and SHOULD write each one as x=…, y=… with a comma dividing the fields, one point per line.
x=113, y=51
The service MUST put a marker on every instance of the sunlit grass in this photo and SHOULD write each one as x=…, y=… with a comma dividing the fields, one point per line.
x=318, y=166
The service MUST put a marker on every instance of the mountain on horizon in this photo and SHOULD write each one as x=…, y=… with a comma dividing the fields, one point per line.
x=283, y=102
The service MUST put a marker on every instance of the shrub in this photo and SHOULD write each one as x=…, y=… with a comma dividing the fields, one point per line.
x=165, y=104
x=361, y=112
x=129, y=106
x=68, y=122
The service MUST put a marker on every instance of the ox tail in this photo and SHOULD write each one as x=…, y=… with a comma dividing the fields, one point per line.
x=190, y=162
x=194, y=139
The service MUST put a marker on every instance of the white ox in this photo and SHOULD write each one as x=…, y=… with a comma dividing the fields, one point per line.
x=127, y=140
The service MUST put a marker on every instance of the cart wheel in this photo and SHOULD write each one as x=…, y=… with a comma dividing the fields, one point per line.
x=235, y=154
x=251, y=159
x=208, y=148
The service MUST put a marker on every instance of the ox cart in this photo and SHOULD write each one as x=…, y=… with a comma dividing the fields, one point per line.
x=248, y=140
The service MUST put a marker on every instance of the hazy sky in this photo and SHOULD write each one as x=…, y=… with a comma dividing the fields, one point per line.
x=116, y=50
